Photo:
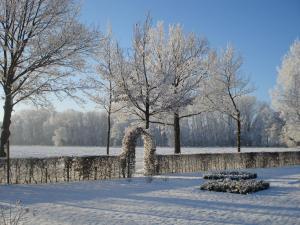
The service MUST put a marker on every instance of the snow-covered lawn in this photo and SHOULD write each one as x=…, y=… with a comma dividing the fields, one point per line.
x=174, y=199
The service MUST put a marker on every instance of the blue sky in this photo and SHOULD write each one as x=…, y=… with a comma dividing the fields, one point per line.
x=261, y=30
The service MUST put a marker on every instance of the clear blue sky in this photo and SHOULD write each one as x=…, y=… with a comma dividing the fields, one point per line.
x=261, y=30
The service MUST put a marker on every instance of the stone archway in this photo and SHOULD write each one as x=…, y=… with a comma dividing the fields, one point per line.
x=127, y=157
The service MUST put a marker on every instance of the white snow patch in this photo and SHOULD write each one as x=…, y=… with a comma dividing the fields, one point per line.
x=52, y=151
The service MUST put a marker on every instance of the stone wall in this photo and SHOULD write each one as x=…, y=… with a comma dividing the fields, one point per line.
x=205, y=162
x=64, y=169
x=60, y=169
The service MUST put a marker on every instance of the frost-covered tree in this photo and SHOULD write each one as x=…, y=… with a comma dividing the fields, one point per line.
x=286, y=95
x=142, y=84
x=103, y=89
x=42, y=43
x=166, y=71
x=181, y=58
x=228, y=86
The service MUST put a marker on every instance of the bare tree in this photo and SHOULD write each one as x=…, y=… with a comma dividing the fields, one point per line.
x=104, y=87
x=228, y=86
x=41, y=45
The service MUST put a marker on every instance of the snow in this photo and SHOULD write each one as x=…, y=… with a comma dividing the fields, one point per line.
x=172, y=199
x=51, y=151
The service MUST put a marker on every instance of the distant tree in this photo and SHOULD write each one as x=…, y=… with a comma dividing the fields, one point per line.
x=31, y=127
x=286, y=94
x=228, y=86
x=118, y=129
x=41, y=45
x=249, y=108
x=267, y=126
x=261, y=125
x=83, y=129
x=48, y=127
x=60, y=137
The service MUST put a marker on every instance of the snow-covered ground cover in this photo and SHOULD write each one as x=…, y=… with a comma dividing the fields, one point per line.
x=174, y=199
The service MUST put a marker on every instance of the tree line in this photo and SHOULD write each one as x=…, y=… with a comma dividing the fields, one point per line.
x=261, y=127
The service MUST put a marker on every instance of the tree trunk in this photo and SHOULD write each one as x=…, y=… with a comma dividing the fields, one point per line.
x=147, y=122
x=147, y=116
x=239, y=132
x=8, y=164
x=5, y=133
x=177, y=149
x=108, y=133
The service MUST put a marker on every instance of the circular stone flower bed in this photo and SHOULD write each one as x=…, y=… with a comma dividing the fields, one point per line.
x=233, y=175
x=235, y=186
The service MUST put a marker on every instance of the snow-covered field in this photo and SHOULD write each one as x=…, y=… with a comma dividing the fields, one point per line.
x=50, y=151
x=174, y=199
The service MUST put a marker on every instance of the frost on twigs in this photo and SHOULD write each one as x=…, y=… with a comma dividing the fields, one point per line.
x=233, y=175
x=286, y=95
x=235, y=186
x=127, y=156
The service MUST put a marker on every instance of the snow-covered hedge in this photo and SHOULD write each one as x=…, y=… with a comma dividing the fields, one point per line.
x=235, y=186
x=233, y=175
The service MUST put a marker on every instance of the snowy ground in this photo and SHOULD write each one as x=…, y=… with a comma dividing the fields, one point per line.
x=174, y=199
x=50, y=151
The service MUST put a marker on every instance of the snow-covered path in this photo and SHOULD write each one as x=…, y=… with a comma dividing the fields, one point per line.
x=174, y=199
